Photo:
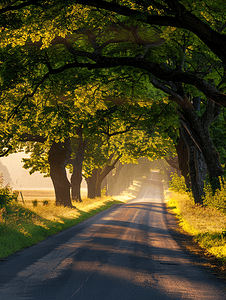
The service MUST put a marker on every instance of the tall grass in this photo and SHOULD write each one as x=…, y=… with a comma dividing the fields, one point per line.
x=177, y=184
x=22, y=226
x=206, y=223
x=217, y=199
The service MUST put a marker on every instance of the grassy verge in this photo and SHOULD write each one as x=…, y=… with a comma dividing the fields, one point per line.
x=24, y=225
x=206, y=224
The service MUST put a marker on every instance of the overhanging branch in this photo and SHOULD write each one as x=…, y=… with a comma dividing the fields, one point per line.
x=153, y=68
x=15, y=109
x=26, y=137
x=19, y=6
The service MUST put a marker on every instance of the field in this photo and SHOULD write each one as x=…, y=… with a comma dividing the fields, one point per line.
x=40, y=196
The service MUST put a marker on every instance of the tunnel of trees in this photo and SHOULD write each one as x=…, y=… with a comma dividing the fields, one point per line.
x=94, y=86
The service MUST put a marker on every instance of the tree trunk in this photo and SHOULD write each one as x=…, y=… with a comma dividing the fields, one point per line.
x=198, y=129
x=201, y=171
x=182, y=153
x=197, y=168
x=76, y=177
x=58, y=156
x=91, y=184
x=202, y=153
x=98, y=185
x=94, y=182
x=76, y=180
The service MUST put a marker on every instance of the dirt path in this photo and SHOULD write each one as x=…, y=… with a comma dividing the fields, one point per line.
x=123, y=253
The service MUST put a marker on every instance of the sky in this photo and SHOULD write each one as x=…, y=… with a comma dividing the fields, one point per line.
x=20, y=178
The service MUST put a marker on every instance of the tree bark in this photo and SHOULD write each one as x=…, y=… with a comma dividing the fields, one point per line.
x=198, y=128
x=91, y=184
x=99, y=180
x=59, y=155
x=182, y=153
x=76, y=180
x=197, y=168
x=76, y=177
x=204, y=154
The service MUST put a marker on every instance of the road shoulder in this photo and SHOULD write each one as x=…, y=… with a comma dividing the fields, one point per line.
x=199, y=256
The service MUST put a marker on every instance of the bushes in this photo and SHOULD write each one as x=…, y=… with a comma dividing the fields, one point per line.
x=177, y=184
x=6, y=193
x=7, y=196
x=35, y=203
x=217, y=199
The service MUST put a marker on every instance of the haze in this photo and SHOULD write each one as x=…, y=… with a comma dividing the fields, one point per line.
x=18, y=177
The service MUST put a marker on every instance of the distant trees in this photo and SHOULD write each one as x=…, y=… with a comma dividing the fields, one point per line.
x=6, y=174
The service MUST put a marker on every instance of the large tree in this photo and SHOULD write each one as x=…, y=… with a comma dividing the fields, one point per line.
x=124, y=41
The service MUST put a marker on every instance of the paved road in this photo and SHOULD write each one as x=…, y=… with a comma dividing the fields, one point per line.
x=123, y=253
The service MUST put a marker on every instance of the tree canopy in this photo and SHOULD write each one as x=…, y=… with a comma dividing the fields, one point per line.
x=109, y=67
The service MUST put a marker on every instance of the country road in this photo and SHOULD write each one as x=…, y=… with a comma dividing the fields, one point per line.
x=123, y=253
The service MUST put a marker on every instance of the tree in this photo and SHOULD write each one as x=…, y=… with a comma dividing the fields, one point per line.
x=97, y=176
x=77, y=161
x=98, y=49
x=206, y=20
x=126, y=129
x=76, y=55
x=59, y=155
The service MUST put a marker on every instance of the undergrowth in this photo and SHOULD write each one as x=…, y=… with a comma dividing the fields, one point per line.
x=216, y=199
x=6, y=193
x=206, y=223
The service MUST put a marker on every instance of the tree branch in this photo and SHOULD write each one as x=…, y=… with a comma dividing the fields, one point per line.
x=15, y=109
x=19, y=6
x=107, y=169
x=181, y=18
x=115, y=133
x=153, y=68
x=26, y=137
x=191, y=134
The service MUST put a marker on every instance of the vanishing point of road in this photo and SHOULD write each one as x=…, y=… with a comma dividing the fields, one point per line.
x=125, y=252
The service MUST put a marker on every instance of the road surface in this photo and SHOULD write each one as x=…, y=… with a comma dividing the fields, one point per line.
x=123, y=253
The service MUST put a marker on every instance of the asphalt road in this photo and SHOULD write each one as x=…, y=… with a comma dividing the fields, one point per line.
x=123, y=253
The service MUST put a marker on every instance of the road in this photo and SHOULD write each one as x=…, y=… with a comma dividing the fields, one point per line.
x=123, y=253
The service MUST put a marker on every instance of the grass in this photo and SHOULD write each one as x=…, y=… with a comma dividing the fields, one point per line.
x=206, y=224
x=24, y=225
x=29, y=195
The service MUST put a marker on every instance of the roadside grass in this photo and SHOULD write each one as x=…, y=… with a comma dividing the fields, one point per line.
x=24, y=225
x=206, y=224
